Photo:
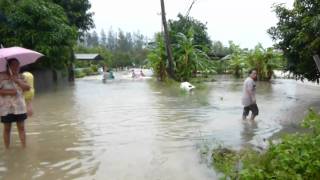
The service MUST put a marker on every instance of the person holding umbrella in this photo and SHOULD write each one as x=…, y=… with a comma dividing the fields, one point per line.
x=12, y=85
x=13, y=106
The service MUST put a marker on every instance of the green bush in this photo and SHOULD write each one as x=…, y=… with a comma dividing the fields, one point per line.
x=94, y=68
x=88, y=71
x=224, y=160
x=79, y=73
x=81, y=64
x=296, y=157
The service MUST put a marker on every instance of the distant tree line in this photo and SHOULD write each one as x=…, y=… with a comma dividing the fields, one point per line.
x=119, y=49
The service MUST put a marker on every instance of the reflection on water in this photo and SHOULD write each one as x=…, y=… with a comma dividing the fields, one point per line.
x=143, y=130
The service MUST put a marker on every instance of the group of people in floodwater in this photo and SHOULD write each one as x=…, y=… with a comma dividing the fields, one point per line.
x=108, y=73
x=16, y=95
x=135, y=75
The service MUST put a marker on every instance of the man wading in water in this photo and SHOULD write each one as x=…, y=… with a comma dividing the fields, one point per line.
x=249, y=96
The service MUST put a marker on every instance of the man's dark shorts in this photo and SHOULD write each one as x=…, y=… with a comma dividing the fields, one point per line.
x=253, y=108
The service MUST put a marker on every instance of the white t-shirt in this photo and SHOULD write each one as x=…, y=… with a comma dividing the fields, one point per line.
x=249, y=92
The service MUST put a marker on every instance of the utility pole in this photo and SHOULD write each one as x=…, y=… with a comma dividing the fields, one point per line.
x=167, y=40
x=188, y=12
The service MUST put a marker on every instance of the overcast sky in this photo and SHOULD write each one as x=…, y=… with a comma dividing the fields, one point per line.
x=243, y=21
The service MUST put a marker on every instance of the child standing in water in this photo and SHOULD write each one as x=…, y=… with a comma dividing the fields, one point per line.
x=28, y=95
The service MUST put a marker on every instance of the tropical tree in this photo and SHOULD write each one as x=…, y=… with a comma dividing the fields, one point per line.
x=51, y=27
x=237, y=62
x=77, y=13
x=264, y=61
x=79, y=17
x=39, y=25
x=184, y=24
x=189, y=58
x=219, y=50
x=191, y=45
x=157, y=57
x=297, y=33
x=221, y=66
x=275, y=61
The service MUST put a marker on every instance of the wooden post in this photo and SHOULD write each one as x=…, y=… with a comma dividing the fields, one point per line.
x=70, y=67
x=317, y=60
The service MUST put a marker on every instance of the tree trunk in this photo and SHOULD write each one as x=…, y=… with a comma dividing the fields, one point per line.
x=55, y=76
x=167, y=40
x=70, y=66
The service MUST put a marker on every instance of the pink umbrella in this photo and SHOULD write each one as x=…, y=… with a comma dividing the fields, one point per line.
x=25, y=56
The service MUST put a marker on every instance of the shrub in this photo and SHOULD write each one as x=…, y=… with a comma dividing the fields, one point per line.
x=94, y=68
x=88, y=71
x=79, y=73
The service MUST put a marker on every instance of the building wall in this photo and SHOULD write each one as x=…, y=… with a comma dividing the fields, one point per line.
x=46, y=80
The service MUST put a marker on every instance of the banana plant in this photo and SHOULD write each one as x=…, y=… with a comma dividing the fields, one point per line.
x=158, y=59
x=189, y=59
x=264, y=61
x=237, y=63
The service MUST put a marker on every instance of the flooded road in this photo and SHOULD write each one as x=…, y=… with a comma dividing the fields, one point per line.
x=141, y=130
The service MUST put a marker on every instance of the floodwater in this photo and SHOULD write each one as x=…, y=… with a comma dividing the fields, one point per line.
x=140, y=130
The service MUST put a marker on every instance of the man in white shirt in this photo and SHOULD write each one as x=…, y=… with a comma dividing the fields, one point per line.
x=249, y=96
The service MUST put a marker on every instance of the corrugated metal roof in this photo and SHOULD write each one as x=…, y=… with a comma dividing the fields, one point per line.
x=227, y=57
x=96, y=57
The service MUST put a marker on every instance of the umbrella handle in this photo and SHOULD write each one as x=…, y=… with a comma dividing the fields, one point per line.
x=10, y=72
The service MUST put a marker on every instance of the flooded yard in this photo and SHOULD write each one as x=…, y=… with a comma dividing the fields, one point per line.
x=141, y=130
